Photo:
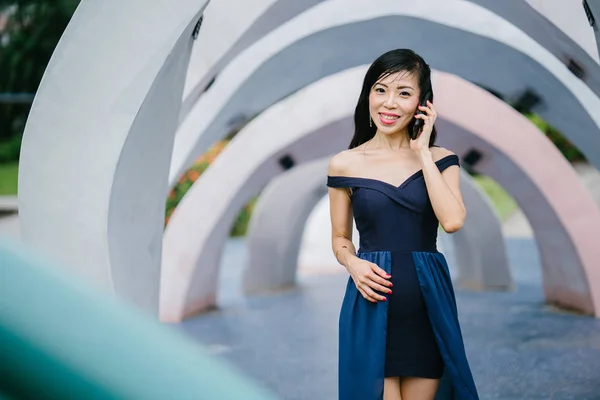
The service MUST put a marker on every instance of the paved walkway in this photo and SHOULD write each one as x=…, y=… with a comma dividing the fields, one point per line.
x=518, y=347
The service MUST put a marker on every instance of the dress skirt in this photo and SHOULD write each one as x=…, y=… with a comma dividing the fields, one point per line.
x=415, y=333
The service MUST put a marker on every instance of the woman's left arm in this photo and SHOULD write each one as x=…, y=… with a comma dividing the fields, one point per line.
x=443, y=187
x=444, y=192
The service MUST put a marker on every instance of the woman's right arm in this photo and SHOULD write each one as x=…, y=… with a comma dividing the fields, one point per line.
x=367, y=276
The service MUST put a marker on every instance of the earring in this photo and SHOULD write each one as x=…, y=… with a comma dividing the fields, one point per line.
x=370, y=121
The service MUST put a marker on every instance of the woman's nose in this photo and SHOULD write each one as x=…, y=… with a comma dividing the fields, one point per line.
x=390, y=101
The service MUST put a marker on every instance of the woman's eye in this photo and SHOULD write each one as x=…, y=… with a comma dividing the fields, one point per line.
x=404, y=94
x=379, y=90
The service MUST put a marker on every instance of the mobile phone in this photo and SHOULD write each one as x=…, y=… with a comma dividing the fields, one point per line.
x=418, y=125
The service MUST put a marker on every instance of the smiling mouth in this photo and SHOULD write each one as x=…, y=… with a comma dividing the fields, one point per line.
x=388, y=119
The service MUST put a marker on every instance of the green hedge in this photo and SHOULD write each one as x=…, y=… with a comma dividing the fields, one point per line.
x=570, y=152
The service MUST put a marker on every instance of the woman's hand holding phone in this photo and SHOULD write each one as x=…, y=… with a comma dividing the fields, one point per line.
x=424, y=122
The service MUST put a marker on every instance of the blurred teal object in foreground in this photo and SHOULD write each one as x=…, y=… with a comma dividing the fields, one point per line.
x=63, y=339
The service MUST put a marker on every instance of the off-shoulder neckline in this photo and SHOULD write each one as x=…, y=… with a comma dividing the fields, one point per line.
x=406, y=181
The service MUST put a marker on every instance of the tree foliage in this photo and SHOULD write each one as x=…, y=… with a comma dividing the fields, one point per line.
x=32, y=28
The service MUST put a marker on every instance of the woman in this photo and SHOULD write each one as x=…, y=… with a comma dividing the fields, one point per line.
x=399, y=332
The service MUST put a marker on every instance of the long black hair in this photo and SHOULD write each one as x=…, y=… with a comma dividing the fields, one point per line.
x=387, y=64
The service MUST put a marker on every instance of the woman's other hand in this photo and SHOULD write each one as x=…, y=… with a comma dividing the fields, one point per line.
x=369, y=279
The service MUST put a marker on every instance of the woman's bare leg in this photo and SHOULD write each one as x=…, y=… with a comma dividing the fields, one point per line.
x=391, y=389
x=418, y=388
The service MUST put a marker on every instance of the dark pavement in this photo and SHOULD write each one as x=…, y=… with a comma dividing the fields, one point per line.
x=518, y=347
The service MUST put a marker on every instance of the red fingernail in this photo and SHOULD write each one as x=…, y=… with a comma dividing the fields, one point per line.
x=390, y=292
x=391, y=284
x=384, y=299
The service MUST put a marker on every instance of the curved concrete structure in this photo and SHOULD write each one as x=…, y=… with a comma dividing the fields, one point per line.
x=594, y=11
x=275, y=233
x=97, y=145
x=230, y=27
x=564, y=217
x=244, y=87
x=546, y=192
x=274, y=236
x=126, y=111
x=569, y=16
x=560, y=27
x=479, y=254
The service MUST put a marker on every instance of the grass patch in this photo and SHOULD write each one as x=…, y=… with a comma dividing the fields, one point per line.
x=9, y=174
x=502, y=201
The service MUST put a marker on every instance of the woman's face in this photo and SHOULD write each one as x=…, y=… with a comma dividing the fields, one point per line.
x=393, y=102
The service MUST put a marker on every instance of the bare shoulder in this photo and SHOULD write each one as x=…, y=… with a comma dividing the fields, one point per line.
x=440, y=152
x=341, y=163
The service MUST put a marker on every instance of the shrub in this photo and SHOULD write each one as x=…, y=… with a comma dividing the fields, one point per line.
x=187, y=180
x=570, y=152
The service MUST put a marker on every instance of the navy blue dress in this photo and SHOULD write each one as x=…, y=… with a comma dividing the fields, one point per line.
x=416, y=332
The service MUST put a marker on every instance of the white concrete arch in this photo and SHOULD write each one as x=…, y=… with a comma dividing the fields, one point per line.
x=275, y=232
x=570, y=17
x=560, y=27
x=274, y=235
x=480, y=254
x=564, y=222
x=230, y=27
x=98, y=142
x=594, y=10
x=483, y=48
